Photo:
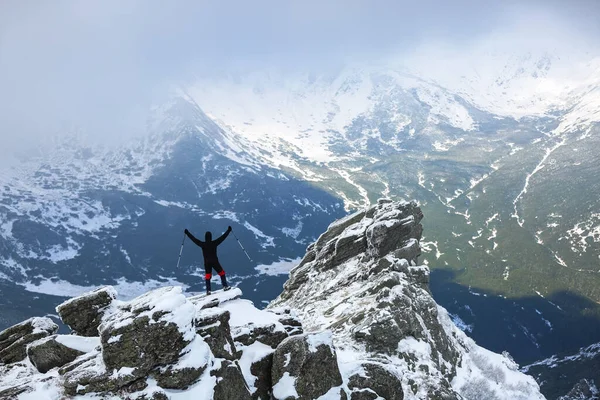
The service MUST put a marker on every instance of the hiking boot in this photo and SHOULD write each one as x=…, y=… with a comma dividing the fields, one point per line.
x=208, y=292
x=226, y=288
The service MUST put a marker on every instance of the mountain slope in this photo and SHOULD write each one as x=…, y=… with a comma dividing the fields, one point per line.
x=76, y=217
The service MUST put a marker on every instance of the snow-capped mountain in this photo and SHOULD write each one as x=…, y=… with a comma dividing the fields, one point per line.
x=500, y=150
x=502, y=157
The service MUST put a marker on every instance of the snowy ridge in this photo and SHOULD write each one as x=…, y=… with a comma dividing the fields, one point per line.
x=380, y=311
x=305, y=114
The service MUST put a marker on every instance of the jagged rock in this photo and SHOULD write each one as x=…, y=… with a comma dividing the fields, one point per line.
x=289, y=319
x=77, y=363
x=230, y=382
x=48, y=353
x=13, y=393
x=376, y=381
x=190, y=366
x=14, y=340
x=92, y=376
x=155, y=395
x=271, y=335
x=309, y=363
x=149, y=331
x=584, y=390
x=378, y=306
x=337, y=227
x=213, y=326
x=83, y=314
x=395, y=230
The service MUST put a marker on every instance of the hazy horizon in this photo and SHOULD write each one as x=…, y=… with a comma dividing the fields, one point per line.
x=96, y=67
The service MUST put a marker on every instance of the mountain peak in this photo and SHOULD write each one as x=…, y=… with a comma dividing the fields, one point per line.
x=361, y=280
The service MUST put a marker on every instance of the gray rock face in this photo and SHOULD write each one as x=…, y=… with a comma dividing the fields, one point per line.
x=311, y=360
x=142, y=335
x=213, y=326
x=376, y=382
x=181, y=379
x=230, y=382
x=270, y=335
x=47, y=353
x=14, y=340
x=193, y=361
x=289, y=320
x=83, y=314
x=92, y=376
x=261, y=369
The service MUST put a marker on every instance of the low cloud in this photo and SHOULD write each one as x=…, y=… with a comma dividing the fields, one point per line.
x=97, y=66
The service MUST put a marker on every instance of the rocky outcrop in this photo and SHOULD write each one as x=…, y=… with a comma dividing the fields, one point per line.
x=149, y=331
x=360, y=280
x=14, y=340
x=83, y=314
x=157, y=342
x=355, y=321
x=305, y=365
x=583, y=390
x=48, y=353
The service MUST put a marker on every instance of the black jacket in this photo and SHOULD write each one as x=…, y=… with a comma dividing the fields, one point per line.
x=209, y=246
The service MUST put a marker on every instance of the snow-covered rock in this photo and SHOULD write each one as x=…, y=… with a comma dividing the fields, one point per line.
x=83, y=314
x=305, y=365
x=160, y=345
x=49, y=353
x=386, y=327
x=347, y=326
x=14, y=340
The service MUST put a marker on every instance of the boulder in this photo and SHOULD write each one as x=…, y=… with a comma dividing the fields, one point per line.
x=213, y=326
x=14, y=340
x=83, y=314
x=305, y=365
x=48, y=353
x=149, y=331
x=230, y=382
x=374, y=382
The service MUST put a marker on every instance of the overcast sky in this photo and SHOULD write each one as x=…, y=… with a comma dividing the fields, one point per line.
x=97, y=64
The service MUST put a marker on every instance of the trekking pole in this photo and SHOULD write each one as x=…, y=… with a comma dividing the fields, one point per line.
x=240, y=243
x=181, y=250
